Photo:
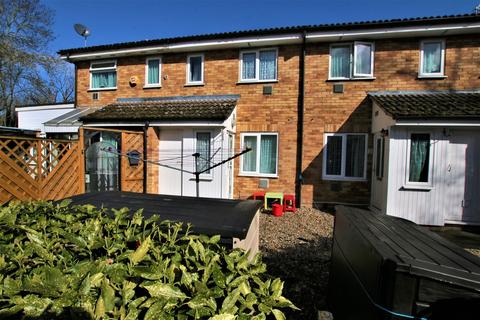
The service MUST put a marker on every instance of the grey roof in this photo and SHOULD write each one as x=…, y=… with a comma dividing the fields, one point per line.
x=434, y=105
x=166, y=109
x=71, y=118
x=434, y=20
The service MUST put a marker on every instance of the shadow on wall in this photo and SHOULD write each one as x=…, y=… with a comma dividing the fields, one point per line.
x=330, y=191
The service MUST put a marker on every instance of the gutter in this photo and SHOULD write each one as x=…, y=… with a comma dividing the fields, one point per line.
x=300, y=121
x=332, y=34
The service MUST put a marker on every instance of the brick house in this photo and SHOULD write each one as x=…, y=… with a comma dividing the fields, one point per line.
x=298, y=96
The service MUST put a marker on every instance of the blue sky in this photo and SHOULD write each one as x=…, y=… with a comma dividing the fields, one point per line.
x=114, y=21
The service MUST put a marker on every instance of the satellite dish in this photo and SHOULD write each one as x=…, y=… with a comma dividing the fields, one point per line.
x=82, y=30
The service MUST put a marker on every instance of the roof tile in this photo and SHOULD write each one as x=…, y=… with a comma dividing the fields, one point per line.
x=429, y=104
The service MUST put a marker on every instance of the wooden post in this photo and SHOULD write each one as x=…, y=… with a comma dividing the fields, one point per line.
x=145, y=156
x=39, y=169
x=81, y=159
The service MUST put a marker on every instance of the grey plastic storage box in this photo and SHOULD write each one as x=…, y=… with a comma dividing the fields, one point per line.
x=390, y=268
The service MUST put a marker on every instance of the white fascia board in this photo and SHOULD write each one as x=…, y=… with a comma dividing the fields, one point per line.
x=61, y=129
x=436, y=123
x=292, y=38
x=191, y=46
x=381, y=33
x=157, y=124
x=47, y=107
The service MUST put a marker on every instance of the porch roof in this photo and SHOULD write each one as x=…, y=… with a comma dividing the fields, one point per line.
x=166, y=109
x=429, y=105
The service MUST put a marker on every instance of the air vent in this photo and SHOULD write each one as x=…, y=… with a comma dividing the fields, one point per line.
x=263, y=183
x=338, y=88
x=95, y=95
x=267, y=90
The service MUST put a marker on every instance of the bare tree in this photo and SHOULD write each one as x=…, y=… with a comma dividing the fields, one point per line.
x=53, y=82
x=25, y=31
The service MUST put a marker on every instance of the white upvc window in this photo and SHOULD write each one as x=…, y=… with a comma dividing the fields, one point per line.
x=103, y=75
x=345, y=156
x=419, y=162
x=432, y=58
x=153, y=72
x=203, y=145
x=195, y=69
x=379, y=156
x=351, y=60
x=258, y=65
x=262, y=160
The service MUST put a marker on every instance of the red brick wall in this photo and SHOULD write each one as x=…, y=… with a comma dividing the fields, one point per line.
x=255, y=111
x=396, y=67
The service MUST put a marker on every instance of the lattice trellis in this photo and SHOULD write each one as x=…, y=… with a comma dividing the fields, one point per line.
x=36, y=157
x=38, y=169
x=132, y=176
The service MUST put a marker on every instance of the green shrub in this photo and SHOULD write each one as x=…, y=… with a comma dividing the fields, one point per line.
x=79, y=262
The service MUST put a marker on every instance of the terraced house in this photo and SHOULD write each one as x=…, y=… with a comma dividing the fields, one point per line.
x=380, y=113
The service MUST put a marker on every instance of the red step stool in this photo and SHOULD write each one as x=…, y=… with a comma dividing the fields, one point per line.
x=289, y=203
x=259, y=195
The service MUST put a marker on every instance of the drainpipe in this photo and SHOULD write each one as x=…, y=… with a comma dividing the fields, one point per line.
x=300, y=120
x=145, y=155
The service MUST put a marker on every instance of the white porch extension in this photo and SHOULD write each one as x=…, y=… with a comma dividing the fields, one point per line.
x=426, y=163
x=186, y=125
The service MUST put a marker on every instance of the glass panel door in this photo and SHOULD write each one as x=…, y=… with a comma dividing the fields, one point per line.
x=102, y=163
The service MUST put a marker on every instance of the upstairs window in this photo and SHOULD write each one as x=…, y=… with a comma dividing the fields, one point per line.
x=351, y=60
x=153, y=69
x=103, y=75
x=432, y=58
x=345, y=156
x=258, y=65
x=195, y=69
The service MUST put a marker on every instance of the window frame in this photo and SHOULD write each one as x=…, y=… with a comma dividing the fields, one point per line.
x=207, y=176
x=363, y=75
x=440, y=74
x=352, y=69
x=257, y=66
x=419, y=185
x=201, y=82
x=380, y=174
x=153, y=85
x=257, y=172
x=100, y=70
x=342, y=176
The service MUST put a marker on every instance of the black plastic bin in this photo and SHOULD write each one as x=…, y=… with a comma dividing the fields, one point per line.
x=390, y=268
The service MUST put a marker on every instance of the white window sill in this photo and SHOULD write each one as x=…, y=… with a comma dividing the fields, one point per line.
x=258, y=175
x=425, y=76
x=417, y=187
x=102, y=89
x=203, y=178
x=195, y=84
x=345, y=179
x=256, y=81
x=352, y=79
x=152, y=86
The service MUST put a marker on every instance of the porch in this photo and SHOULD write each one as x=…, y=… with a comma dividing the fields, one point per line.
x=426, y=164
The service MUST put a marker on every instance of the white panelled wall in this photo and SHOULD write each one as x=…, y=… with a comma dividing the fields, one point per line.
x=176, y=147
x=455, y=175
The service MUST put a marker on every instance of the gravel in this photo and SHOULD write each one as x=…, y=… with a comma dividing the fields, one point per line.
x=296, y=247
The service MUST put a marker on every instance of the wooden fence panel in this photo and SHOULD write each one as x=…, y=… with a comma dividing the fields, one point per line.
x=132, y=175
x=39, y=169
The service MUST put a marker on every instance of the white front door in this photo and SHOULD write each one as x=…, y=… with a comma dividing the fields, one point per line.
x=170, y=162
x=463, y=177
